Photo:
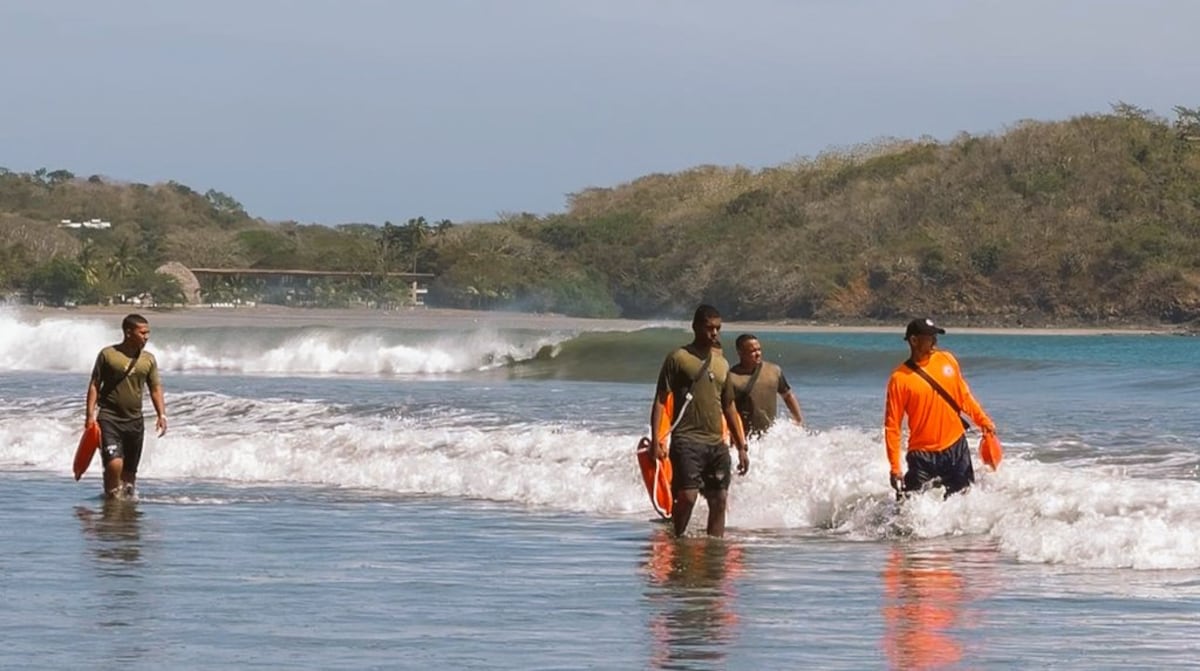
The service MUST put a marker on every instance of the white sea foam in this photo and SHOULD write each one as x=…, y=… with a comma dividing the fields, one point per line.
x=52, y=344
x=830, y=482
x=70, y=344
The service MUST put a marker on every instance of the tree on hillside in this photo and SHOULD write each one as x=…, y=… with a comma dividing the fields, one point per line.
x=163, y=289
x=152, y=243
x=265, y=248
x=90, y=263
x=60, y=177
x=58, y=282
x=404, y=247
x=224, y=204
x=416, y=235
x=1187, y=123
x=389, y=243
x=1089, y=219
x=123, y=264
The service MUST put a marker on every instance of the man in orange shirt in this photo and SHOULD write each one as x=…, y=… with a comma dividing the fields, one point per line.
x=937, y=440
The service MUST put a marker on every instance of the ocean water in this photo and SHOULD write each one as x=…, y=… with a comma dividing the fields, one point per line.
x=377, y=497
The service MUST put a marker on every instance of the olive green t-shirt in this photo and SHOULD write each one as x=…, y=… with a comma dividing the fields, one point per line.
x=120, y=393
x=759, y=408
x=702, y=420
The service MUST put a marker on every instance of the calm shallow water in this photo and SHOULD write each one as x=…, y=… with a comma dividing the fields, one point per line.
x=311, y=509
x=197, y=575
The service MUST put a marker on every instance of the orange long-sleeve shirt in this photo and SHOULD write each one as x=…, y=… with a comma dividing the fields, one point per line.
x=932, y=424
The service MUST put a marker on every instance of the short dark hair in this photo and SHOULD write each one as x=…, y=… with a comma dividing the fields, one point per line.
x=132, y=321
x=704, y=313
x=742, y=339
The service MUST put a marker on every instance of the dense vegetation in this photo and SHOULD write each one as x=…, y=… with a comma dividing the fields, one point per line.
x=42, y=260
x=1087, y=221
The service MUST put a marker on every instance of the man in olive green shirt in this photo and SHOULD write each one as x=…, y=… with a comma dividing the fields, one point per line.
x=114, y=398
x=696, y=375
x=757, y=385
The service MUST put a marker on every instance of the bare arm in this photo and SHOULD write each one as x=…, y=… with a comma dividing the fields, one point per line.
x=89, y=408
x=160, y=408
x=657, y=409
x=793, y=406
x=739, y=436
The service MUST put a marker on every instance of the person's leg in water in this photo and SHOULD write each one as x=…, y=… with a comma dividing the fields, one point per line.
x=687, y=468
x=685, y=503
x=133, y=440
x=696, y=468
x=113, y=476
x=112, y=455
x=717, y=476
x=717, y=502
x=681, y=510
x=128, y=483
x=121, y=451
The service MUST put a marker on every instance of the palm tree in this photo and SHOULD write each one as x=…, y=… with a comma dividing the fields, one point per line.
x=123, y=264
x=417, y=232
x=87, y=261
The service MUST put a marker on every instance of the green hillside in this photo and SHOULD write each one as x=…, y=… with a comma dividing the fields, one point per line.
x=1092, y=220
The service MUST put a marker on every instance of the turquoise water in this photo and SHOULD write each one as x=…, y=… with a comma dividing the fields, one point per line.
x=373, y=498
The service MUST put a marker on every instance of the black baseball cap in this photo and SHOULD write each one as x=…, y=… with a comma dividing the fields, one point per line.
x=922, y=326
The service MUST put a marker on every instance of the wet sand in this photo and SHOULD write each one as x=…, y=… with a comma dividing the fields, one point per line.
x=446, y=319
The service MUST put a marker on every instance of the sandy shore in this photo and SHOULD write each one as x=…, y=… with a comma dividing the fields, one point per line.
x=445, y=319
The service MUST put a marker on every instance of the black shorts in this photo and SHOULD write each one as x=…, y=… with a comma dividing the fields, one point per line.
x=122, y=440
x=952, y=465
x=696, y=465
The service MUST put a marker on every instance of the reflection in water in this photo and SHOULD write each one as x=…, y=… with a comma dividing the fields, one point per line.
x=114, y=532
x=923, y=603
x=114, y=537
x=692, y=595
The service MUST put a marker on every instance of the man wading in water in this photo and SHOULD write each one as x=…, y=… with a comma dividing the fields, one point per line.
x=697, y=375
x=114, y=398
x=937, y=439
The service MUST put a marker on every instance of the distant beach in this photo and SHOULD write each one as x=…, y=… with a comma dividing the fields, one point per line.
x=444, y=318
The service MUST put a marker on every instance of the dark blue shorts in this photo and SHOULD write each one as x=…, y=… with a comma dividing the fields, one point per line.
x=697, y=465
x=122, y=440
x=952, y=466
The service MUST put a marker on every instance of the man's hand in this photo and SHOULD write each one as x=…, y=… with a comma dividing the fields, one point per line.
x=897, y=482
x=161, y=425
x=743, y=460
x=660, y=450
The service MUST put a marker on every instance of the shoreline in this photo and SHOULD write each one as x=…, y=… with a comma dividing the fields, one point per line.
x=448, y=318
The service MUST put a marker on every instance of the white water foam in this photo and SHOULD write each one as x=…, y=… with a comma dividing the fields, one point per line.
x=832, y=482
x=71, y=344
x=53, y=343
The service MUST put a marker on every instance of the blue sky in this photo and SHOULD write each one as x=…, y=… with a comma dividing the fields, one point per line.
x=373, y=110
